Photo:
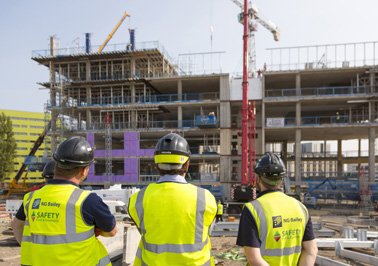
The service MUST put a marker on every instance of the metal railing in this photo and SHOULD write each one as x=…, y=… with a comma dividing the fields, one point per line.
x=342, y=55
x=325, y=120
x=321, y=91
x=144, y=125
x=142, y=99
x=80, y=50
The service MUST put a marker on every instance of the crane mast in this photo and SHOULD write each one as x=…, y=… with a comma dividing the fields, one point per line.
x=248, y=17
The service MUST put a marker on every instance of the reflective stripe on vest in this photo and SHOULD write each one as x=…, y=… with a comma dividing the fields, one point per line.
x=139, y=255
x=26, y=208
x=104, y=261
x=263, y=230
x=71, y=236
x=175, y=248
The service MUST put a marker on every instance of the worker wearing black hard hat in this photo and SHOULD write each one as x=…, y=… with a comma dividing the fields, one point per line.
x=275, y=229
x=63, y=215
x=48, y=173
x=173, y=216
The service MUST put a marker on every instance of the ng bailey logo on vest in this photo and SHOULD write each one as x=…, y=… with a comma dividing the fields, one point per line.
x=36, y=203
x=277, y=221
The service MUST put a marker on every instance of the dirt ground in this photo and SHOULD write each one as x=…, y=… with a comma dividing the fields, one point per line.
x=10, y=250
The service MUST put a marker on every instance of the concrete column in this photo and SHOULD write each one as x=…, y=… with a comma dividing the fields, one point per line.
x=132, y=67
x=371, y=154
x=372, y=82
x=339, y=156
x=54, y=113
x=298, y=137
x=179, y=89
x=298, y=113
x=132, y=93
x=298, y=84
x=371, y=112
x=88, y=71
x=179, y=116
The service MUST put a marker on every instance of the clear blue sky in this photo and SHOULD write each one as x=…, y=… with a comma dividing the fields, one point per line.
x=181, y=26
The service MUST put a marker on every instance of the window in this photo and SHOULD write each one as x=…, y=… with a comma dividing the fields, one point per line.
x=21, y=133
x=36, y=127
x=15, y=125
x=34, y=134
x=22, y=149
x=24, y=126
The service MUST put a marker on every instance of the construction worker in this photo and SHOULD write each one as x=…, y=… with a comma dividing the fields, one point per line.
x=275, y=229
x=172, y=215
x=48, y=173
x=337, y=117
x=55, y=225
x=220, y=212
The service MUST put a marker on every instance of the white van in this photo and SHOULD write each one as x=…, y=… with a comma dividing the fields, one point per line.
x=118, y=209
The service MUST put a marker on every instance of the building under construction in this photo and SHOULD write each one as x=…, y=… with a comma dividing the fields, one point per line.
x=123, y=100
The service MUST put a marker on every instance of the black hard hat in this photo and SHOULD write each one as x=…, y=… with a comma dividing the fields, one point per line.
x=48, y=170
x=172, y=149
x=74, y=152
x=270, y=168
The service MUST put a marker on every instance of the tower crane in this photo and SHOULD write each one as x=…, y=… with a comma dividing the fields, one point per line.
x=254, y=15
x=111, y=34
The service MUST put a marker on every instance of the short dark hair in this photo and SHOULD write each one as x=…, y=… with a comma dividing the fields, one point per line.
x=268, y=186
x=67, y=173
x=179, y=171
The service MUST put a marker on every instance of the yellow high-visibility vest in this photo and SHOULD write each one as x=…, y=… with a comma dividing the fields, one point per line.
x=281, y=221
x=55, y=232
x=173, y=219
x=220, y=209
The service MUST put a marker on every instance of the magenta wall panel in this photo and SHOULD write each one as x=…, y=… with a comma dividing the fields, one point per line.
x=126, y=165
x=90, y=137
x=133, y=135
x=95, y=178
x=126, y=136
x=134, y=147
x=133, y=177
x=91, y=169
x=99, y=153
x=149, y=152
x=126, y=149
x=117, y=153
x=134, y=166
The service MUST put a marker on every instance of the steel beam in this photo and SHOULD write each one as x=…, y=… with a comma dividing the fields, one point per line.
x=347, y=243
x=323, y=261
x=340, y=251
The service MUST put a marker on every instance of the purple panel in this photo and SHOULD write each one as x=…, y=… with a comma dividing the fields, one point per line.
x=126, y=149
x=90, y=137
x=134, y=147
x=133, y=177
x=141, y=152
x=99, y=153
x=126, y=136
x=133, y=135
x=134, y=165
x=91, y=169
x=149, y=152
x=117, y=152
x=126, y=165
x=94, y=178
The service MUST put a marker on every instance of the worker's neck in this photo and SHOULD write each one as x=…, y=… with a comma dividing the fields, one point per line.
x=73, y=179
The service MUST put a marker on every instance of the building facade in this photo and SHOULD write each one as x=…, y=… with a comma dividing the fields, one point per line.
x=27, y=127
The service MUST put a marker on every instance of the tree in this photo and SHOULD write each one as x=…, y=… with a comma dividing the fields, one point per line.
x=7, y=147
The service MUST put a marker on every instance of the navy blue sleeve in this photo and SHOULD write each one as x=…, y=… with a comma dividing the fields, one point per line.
x=96, y=212
x=20, y=215
x=309, y=232
x=248, y=234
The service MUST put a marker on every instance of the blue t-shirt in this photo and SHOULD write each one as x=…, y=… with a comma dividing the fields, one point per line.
x=95, y=211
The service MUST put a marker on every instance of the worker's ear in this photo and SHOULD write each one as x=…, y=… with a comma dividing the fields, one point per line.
x=187, y=165
x=84, y=172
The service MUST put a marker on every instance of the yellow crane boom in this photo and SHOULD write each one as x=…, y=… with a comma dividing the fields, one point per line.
x=111, y=34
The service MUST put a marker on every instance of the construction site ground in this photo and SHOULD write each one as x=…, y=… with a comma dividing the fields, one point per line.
x=221, y=246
